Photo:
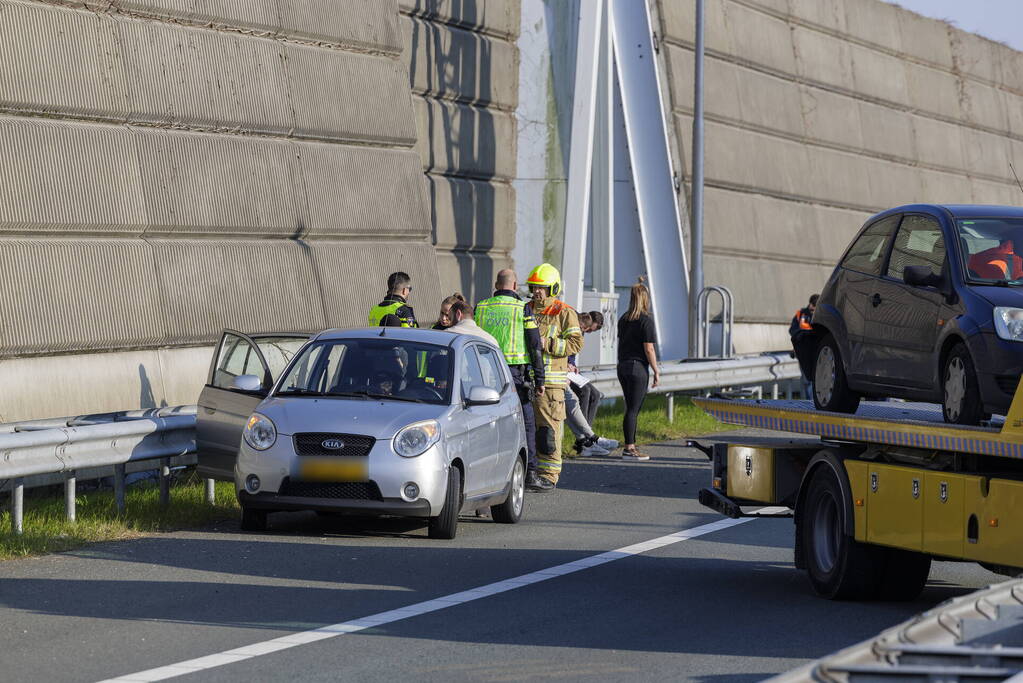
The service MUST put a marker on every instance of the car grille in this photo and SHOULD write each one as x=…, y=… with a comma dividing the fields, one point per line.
x=346, y=490
x=1007, y=383
x=311, y=443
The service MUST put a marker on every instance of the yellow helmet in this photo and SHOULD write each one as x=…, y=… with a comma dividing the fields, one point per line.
x=545, y=275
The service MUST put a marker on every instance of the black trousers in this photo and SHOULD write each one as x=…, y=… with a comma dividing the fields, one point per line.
x=589, y=401
x=634, y=377
x=519, y=375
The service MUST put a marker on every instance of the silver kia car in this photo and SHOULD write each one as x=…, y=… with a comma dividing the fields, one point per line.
x=386, y=420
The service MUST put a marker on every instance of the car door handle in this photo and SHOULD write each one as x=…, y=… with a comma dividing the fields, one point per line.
x=875, y=300
x=210, y=408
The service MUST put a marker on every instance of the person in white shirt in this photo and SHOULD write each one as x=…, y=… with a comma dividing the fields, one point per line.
x=461, y=314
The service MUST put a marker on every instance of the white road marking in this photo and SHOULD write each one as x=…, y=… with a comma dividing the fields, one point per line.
x=389, y=617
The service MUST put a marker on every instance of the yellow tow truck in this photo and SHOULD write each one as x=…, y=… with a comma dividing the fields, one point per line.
x=878, y=494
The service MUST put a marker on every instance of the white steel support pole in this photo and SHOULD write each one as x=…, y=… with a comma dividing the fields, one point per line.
x=580, y=160
x=602, y=204
x=696, y=281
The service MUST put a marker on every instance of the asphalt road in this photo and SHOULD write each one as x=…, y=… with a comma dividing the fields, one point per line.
x=725, y=605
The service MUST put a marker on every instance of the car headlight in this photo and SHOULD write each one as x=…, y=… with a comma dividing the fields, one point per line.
x=1009, y=323
x=260, y=432
x=416, y=438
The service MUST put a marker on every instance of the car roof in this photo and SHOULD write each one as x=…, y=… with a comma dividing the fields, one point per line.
x=961, y=210
x=439, y=337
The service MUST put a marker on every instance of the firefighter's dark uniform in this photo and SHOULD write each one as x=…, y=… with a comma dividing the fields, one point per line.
x=804, y=341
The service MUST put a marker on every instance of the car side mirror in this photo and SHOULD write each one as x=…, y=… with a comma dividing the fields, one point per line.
x=248, y=383
x=920, y=276
x=482, y=396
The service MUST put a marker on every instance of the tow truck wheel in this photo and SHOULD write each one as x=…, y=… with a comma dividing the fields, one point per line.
x=905, y=575
x=960, y=391
x=839, y=567
x=831, y=390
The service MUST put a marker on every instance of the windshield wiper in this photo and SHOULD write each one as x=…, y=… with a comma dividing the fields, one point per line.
x=392, y=397
x=300, y=392
x=349, y=394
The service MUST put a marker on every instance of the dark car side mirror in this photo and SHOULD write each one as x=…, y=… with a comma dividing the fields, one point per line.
x=921, y=276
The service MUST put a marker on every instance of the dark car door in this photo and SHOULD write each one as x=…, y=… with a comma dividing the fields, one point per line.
x=858, y=274
x=904, y=321
x=224, y=408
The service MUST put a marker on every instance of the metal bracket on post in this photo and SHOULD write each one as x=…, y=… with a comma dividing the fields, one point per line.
x=703, y=321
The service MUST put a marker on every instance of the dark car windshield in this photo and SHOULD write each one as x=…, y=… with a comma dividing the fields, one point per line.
x=992, y=250
x=378, y=368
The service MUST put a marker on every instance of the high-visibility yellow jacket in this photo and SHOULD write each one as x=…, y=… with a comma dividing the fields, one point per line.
x=562, y=337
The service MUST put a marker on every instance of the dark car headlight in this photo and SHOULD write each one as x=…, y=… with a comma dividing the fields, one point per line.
x=1009, y=323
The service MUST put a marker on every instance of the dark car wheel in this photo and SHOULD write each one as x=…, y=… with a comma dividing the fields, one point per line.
x=445, y=525
x=960, y=392
x=510, y=511
x=831, y=390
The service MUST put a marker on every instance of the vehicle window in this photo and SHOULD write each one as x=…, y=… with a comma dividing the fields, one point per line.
x=991, y=249
x=866, y=255
x=490, y=363
x=237, y=357
x=470, y=374
x=378, y=368
x=278, y=352
x=919, y=242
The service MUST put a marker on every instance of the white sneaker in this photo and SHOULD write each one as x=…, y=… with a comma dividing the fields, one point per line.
x=594, y=450
x=607, y=444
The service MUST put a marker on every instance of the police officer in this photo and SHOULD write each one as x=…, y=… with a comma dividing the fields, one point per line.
x=560, y=337
x=394, y=310
x=509, y=319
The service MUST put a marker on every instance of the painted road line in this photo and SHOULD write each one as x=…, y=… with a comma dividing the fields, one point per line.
x=389, y=617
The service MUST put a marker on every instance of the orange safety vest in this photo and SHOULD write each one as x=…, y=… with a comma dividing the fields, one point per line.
x=804, y=322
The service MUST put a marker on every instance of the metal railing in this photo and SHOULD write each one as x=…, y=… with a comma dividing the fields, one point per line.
x=704, y=324
x=65, y=447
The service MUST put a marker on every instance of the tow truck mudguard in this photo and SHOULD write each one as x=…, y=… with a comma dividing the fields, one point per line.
x=832, y=459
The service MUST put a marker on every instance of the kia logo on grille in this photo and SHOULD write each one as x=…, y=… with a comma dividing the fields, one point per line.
x=333, y=444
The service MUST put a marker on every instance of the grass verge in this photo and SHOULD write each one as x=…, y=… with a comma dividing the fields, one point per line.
x=47, y=530
x=653, y=424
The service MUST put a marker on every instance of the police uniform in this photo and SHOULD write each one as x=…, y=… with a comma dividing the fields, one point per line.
x=393, y=311
x=561, y=337
x=510, y=320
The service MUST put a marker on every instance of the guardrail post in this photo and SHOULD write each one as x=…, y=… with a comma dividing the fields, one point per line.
x=119, y=487
x=774, y=391
x=671, y=407
x=18, y=506
x=69, y=495
x=211, y=492
x=164, y=481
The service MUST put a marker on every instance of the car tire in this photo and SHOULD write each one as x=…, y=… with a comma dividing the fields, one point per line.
x=253, y=519
x=510, y=511
x=839, y=567
x=960, y=391
x=445, y=525
x=831, y=390
x=905, y=575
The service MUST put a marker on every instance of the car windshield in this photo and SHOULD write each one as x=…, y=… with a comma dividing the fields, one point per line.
x=992, y=249
x=377, y=368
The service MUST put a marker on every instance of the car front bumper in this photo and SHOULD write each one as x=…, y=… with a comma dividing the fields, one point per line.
x=388, y=506
x=999, y=364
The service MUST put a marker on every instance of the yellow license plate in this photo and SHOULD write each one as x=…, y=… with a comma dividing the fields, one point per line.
x=333, y=469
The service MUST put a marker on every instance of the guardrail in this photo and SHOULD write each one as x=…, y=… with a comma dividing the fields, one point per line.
x=67, y=446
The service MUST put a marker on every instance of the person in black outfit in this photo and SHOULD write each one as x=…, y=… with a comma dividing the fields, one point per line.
x=444, y=320
x=636, y=357
x=804, y=342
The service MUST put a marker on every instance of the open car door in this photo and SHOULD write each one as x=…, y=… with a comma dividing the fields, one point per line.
x=224, y=407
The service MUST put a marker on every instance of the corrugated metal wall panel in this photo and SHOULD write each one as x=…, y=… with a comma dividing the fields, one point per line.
x=60, y=177
x=362, y=191
x=366, y=98
x=472, y=213
x=496, y=17
x=356, y=23
x=59, y=70
x=262, y=17
x=65, y=295
x=354, y=278
x=262, y=285
x=182, y=76
x=218, y=184
x=470, y=273
x=454, y=63
x=462, y=139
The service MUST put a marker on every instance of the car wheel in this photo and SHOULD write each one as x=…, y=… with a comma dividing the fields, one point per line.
x=831, y=390
x=445, y=525
x=839, y=566
x=960, y=392
x=510, y=511
x=253, y=520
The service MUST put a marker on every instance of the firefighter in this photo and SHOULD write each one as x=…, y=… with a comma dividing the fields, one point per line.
x=560, y=337
x=394, y=310
x=804, y=342
x=509, y=319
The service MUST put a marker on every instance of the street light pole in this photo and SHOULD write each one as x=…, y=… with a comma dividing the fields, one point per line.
x=696, y=275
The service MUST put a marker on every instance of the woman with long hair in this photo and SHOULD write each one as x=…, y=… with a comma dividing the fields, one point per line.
x=445, y=320
x=636, y=358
